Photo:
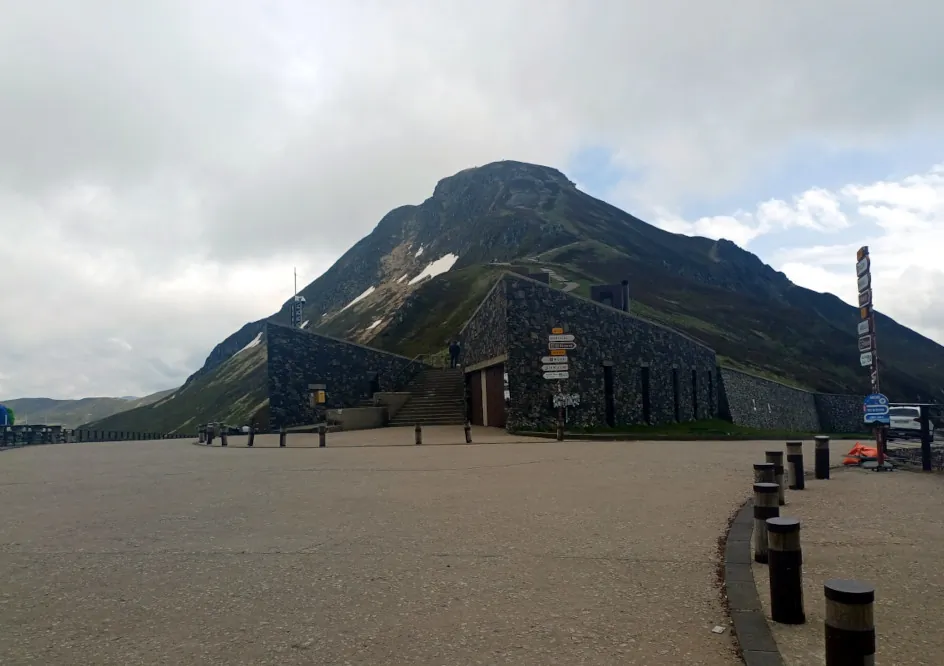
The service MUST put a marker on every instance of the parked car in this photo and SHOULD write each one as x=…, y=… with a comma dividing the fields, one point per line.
x=906, y=423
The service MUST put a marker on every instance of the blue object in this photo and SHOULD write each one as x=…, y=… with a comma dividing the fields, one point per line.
x=875, y=410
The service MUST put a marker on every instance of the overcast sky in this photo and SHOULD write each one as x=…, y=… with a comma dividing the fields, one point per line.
x=163, y=164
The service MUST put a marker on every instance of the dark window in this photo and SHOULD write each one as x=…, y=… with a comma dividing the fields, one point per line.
x=644, y=389
x=608, y=393
x=675, y=393
x=694, y=394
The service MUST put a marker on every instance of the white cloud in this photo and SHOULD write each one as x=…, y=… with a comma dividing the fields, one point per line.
x=902, y=223
x=163, y=163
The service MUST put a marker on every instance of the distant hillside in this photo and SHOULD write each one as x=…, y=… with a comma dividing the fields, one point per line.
x=410, y=284
x=73, y=413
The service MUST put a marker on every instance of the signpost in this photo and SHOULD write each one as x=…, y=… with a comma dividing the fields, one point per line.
x=554, y=366
x=876, y=405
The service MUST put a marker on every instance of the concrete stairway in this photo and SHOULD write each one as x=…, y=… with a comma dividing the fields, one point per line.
x=437, y=397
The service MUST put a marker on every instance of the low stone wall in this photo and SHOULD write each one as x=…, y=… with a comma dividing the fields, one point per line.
x=757, y=402
x=359, y=418
x=297, y=358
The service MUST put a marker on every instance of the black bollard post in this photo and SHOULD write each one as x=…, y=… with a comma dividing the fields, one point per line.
x=282, y=436
x=786, y=571
x=765, y=506
x=795, y=465
x=224, y=437
x=821, y=457
x=850, y=623
x=202, y=437
x=418, y=434
x=252, y=436
x=764, y=473
x=776, y=457
x=468, y=432
x=322, y=435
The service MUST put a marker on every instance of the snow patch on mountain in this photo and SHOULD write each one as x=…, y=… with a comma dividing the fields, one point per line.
x=438, y=267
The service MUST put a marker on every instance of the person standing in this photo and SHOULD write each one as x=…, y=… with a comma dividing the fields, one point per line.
x=453, y=354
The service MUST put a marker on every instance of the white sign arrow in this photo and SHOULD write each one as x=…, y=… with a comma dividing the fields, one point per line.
x=865, y=360
x=864, y=327
x=556, y=375
x=554, y=359
x=565, y=337
x=862, y=267
x=865, y=282
x=865, y=343
x=557, y=367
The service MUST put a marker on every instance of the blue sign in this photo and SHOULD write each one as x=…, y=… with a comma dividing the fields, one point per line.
x=875, y=409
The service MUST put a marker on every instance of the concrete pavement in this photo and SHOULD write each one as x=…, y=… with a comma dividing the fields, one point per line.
x=518, y=552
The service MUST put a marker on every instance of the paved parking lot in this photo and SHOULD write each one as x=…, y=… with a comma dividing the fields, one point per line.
x=514, y=552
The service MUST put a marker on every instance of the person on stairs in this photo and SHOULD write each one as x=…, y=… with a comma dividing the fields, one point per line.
x=454, y=350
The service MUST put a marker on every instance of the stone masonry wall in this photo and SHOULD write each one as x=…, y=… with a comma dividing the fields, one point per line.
x=485, y=335
x=297, y=358
x=840, y=413
x=604, y=335
x=756, y=402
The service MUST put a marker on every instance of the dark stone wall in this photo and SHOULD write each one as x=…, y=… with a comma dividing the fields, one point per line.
x=603, y=335
x=297, y=358
x=840, y=413
x=485, y=335
x=756, y=402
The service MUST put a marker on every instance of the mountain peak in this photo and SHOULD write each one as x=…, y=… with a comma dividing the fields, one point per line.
x=505, y=171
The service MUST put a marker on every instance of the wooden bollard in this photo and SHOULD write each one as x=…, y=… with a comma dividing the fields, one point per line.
x=224, y=438
x=821, y=457
x=776, y=457
x=282, y=436
x=795, y=465
x=764, y=473
x=850, y=623
x=765, y=506
x=418, y=430
x=322, y=435
x=252, y=436
x=468, y=432
x=786, y=570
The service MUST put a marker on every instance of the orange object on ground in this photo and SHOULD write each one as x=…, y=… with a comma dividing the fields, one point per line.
x=860, y=452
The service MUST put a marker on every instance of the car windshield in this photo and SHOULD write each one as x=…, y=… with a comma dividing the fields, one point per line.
x=907, y=412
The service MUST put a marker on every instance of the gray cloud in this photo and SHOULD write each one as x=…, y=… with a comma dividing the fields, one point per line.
x=164, y=163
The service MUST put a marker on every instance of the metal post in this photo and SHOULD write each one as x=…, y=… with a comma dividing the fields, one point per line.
x=224, y=438
x=924, y=419
x=776, y=457
x=850, y=623
x=418, y=434
x=821, y=456
x=468, y=432
x=202, y=436
x=282, y=435
x=252, y=436
x=322, y=435
x=786, y=571
x=795, y=465
x=765, y=506
x=765, y=472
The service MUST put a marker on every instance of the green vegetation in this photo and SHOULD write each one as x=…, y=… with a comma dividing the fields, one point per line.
x=711, y=429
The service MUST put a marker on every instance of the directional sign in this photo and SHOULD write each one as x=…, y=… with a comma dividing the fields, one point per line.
x=864, y=312
x=862, y=253
x=865, y=327
x=560, y=338
x=557, y=330
x=862, y=266
x=556, y=367
x=561, y=345
x=875, y=409
x=554, y=359
x=560, y=353
x=865, y=298
x=865, y=282
x=865, y=360
x=556, y=375
x=865, y=343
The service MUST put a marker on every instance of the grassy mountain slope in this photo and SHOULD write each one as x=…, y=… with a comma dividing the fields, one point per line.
x=71, y=413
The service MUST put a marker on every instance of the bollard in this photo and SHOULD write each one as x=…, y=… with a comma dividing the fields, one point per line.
x=560, y=431
x=850, y=623
x=821, y=457
x=786, y=571
x=765, y=506
x=419, y=434
x=224, y=438
x=203, y=438
x=776, y=457
x=795, y=465
x=282, y=436
x=322, y=435
x=252, y=436
x=468, y=432
x=765, y=473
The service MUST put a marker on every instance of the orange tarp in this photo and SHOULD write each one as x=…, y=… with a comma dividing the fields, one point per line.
x=858, y=452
